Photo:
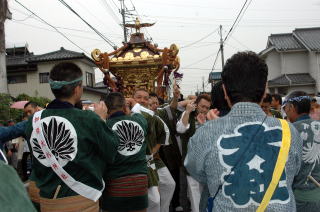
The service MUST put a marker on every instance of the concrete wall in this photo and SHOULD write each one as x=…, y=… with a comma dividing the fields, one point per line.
x=286, y=90
x=274, y=65
x=33, y=87
x=294, y=62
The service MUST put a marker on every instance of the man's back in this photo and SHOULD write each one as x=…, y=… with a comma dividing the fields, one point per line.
x=238, y=152
x=80, y=142
x=131, y=156
x=306, y=191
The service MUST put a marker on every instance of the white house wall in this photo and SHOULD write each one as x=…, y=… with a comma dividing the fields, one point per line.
x=33, y=87
x=274, y=65
x=294, y=62
x=313, y=67
x=307, y=89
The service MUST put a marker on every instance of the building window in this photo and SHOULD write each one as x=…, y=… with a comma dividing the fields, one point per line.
x=44, y=77
x=89, y=79
x=17, y=79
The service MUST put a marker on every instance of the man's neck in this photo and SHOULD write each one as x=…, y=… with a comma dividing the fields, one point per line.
x=70, y=100
x=115, y=113
x=302, y=116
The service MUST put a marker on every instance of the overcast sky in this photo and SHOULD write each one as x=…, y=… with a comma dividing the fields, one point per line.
x=177, y=21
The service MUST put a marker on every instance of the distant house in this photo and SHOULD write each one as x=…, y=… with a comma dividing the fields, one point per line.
x=28, y=73
x=294, y=61
x=214, y=77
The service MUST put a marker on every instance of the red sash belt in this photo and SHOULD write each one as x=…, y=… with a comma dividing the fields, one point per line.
x=128, y=186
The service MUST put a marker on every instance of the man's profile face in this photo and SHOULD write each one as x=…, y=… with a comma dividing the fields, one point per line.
x=290, y=112
x=274, y=102
x=142, y=97
x=265, y=106
x=153, y=103
x=30, y=110
x=203, y=106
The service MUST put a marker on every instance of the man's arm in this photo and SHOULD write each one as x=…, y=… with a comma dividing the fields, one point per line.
x=197, y=155
x=183, y=124
x=176, y=95
x=15, y=131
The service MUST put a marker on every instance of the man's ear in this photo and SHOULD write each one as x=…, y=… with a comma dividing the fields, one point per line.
x=77, y=90
x=226, y=97
x=265, y=93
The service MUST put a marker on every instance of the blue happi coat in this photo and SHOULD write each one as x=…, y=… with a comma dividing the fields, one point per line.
x=238, y=152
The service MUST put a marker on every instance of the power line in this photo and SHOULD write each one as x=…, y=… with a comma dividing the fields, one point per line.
x=235, y=23
x=115, y=5
x=215, y=61
x=242, y=44
x=89, y=25
x=201, y=39
x=52, y=27
x=92, y=14
x=241, y=16
x=111, y=12
x=243, y=6
x=198, y=61
x=134, y=8
x=37, y=27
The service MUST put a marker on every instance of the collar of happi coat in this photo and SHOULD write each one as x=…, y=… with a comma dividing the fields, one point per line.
x=117, y=114
x=58, y=104
x=303, y=117
x=246, y=109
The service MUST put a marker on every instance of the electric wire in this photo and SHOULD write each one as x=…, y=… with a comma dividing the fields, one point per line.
x=201, y=39
x=52, y=27
x=89, y=25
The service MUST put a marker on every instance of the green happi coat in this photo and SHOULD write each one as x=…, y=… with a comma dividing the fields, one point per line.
x=81, y=142
x=307, y=193
x=130, y=160
x=13, y=196
x=170, y=153
x=188, y=134
x=157, y=134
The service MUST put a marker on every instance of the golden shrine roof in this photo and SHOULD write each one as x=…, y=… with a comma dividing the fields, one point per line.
x=137, y=51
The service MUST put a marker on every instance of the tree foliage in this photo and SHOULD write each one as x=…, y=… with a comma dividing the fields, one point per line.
x=7, y=113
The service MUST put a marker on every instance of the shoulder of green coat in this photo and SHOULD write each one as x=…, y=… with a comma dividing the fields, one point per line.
x=14, y=195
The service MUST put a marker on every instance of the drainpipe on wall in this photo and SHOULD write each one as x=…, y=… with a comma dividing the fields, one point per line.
x=290, y=82
x=318, y=78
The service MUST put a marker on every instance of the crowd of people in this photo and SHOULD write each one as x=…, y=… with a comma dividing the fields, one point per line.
x=238, y=149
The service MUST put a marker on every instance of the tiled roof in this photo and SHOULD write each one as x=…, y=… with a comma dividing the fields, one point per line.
x=283, y=42
x=30, y=58
x=299, y=39
x=16, y=60
x=291, y=80
x=309, y=37
x=61, y=54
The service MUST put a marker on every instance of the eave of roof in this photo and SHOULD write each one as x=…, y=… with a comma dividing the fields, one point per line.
x=292, y=80
x=96, y=90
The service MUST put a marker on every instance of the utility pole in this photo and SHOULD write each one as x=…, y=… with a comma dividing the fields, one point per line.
x=203, y=84
x=123, y=14
x=4, y=14
x=221, y=47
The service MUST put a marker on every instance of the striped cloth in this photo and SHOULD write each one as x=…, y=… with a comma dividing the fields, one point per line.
x=128, y=186
x=127, y=193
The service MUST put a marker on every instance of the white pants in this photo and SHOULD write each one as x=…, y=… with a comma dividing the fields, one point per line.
x=166, y=188
x=194, y=193
x=153, y=199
